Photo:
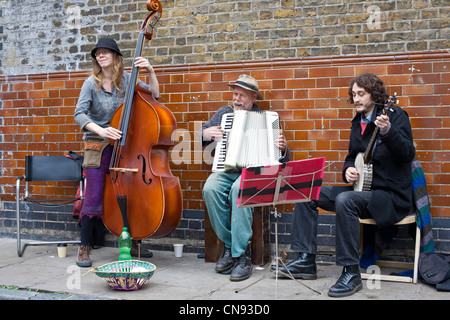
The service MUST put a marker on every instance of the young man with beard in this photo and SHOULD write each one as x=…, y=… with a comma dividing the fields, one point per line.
x=388, y=201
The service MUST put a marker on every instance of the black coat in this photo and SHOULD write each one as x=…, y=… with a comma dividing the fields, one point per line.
x=391, y=180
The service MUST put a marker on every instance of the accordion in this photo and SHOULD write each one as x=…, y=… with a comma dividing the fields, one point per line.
x=249, y=140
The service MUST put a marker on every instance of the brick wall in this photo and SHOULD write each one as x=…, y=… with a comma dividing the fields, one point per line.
x=308, y=93
x=57, y=36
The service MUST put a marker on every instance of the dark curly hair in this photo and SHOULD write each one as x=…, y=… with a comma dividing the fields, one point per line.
x=372, y=84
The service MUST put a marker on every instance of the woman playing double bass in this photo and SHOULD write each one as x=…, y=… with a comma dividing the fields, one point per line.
x=101, y=94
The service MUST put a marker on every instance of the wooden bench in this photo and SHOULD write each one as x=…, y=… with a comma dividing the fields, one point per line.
x=260, y=242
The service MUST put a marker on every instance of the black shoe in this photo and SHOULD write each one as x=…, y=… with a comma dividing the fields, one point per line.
x=243, y=268
x=348, y=283
x=226, y=261
x=304, y=267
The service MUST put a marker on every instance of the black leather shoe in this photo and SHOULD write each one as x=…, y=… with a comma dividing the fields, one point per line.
x=243, y=268
x=304, y=267
x=348, y=283
x=225, y=262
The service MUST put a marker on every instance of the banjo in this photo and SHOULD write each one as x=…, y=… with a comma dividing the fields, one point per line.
x=363, y=161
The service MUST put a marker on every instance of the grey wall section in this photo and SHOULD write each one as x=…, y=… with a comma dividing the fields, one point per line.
x=40, y=36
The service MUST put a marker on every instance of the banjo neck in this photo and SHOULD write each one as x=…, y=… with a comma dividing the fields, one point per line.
x=368, y=153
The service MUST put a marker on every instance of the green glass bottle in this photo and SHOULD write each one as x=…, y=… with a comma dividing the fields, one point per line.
x=125, y=245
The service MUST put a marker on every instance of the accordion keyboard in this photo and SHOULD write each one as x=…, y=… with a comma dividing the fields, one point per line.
x=221, y=147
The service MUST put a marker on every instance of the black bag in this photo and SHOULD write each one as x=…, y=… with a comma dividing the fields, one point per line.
x=435, y=269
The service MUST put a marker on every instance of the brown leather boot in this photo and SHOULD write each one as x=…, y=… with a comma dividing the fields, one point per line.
x=83, y=259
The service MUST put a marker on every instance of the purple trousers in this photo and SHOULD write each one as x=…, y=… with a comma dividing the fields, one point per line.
x=95, y=187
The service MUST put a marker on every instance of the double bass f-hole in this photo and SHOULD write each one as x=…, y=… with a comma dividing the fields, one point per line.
x=144, y=179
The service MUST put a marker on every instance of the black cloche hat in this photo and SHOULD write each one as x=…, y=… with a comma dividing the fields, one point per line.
x=107, y=43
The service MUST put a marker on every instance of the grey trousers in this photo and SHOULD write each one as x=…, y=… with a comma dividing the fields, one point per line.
x=349, y=206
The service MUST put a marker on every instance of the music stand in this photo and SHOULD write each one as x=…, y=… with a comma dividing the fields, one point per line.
x=290, y=182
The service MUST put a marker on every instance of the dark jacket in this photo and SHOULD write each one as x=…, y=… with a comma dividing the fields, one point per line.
x=391, y=181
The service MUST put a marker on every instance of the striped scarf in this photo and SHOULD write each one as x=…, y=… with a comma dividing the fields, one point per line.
x=423, y=215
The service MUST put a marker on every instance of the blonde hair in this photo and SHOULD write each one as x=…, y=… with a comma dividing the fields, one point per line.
x=118, y=68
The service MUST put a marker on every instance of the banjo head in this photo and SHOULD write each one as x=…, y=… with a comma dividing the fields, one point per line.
x=359, y=165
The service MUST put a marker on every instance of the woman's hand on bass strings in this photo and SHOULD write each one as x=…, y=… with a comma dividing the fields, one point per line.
x=111, y=133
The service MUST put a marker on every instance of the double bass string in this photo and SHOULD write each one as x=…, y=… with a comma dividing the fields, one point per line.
x=120, y=143
x=125, y=116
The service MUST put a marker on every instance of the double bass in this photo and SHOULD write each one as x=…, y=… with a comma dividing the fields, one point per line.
x=141, y=193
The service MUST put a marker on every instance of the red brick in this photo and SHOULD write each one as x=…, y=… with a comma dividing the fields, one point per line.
x=21, y=103
x=279, y=74
x=300, y=83
x=417, y=90
x=278, y=94
x=323, y=72
x=441, y=66
x=424, y=101
x=199, y=77
x=323, y=93
x=299, y=104
x=442, y=88
x=325, y=115
x=23, y=86
x=57, y=84
x=418, y=68
x=34, y=94
x=425, y=78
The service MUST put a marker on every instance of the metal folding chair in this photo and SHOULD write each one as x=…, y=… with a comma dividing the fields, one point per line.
x=46, y=168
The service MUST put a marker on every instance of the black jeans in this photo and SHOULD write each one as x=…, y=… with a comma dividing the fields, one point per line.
x=349, y=206
x=92, y=231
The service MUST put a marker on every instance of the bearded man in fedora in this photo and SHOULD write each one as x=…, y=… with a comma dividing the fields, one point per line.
x=221, y=189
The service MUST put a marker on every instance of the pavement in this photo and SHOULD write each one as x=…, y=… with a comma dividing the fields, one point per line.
x=41, y=275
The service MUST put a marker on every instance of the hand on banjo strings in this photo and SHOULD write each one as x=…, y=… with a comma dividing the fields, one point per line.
x=351, y=174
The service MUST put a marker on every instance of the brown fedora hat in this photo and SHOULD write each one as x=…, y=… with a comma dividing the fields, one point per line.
x=249, y=83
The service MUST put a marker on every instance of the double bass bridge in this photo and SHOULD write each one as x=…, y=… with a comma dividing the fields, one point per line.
x=123, y=170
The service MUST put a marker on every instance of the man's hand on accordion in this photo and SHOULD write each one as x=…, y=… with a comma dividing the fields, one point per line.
x=281, y=141
x=213, y=133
